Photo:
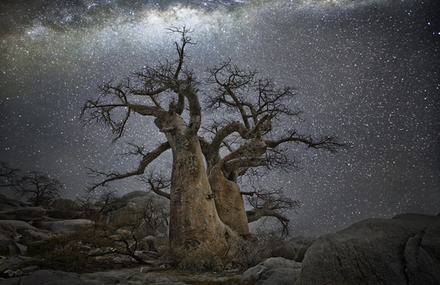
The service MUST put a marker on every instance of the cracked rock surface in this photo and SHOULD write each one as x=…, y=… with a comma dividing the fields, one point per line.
x=402, y=250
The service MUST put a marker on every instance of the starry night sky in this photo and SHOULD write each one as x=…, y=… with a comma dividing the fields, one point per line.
x=366, y=70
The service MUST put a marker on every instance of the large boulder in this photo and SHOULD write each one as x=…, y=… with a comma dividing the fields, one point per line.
x=294, y=249
x=7, y=204
x=148, y=243
x=8, y=247
x=147, y=211
x=24, y=214
x=30, y=237
x=402, y=250
x=64, y=209
x=8, y=228
x=275, y=270
x=15, y=263
x=22, y=233
x=64, y=226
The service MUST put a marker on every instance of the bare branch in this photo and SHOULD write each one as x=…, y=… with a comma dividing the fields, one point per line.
x=104, y=111
x=8, y=175
x=157, y=183
x=257, y=100
x=270, y=202
x=256, y=214
x=232, y=127
x=242, y=162
x=150, y=82
x=330, y=143
x=185, y=39
x=146, y=160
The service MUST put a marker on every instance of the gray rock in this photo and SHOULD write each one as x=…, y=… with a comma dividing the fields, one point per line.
x=14, y=262
x=24, y=214
x=22, y=233
x=23, y=248
x=10, y=281
x=64, y=209
x=275, y=269
x=7, y=204
x=64, y=226
x=12, y=273
x=16, y=225
x=95, y=252
x=148, y=243
x=8, y=247
x=8, y=231
x=279, y=276
x=30, y=237
x=52, y=277
x=30, y=269
x=147, y=255
x=147, y=211
x=402, y=250
x=294, y=249
x=148, y=275
x=422, y=253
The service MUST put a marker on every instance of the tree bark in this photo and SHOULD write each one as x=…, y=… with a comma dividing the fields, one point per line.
x=228, y=201
x=193, y=217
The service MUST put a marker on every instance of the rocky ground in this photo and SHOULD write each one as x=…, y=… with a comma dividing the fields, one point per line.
x=401, y=250
x=134, y=275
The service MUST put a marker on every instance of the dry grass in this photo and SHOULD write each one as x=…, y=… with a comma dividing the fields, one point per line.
x=71, y=252
x=208, y=256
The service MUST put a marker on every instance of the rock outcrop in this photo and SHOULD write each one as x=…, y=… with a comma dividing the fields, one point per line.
x=64, y=226
x=7, y=204
x=147, y=211
x=8, y=247
x=274, y=270
x=18, y=234
x=26, y=214
x=294, y=249
x=402, y=250
x=16, y=266
x=64, y=209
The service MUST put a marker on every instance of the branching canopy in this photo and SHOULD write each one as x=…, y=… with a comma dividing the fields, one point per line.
x=251, y=105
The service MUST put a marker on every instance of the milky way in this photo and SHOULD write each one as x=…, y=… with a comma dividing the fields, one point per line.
x=367, y=71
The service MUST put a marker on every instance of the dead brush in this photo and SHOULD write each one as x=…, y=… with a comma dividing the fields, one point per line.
x=208, y=256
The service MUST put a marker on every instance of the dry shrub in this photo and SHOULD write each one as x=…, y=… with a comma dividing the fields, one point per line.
x=46, y=246
x=242, y=253
x=57, y=254
x=251, y=251
x=70, y=252
x=202, y=257
x=64, y=260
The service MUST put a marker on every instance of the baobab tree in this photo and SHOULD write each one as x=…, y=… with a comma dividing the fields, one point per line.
x=205, y=198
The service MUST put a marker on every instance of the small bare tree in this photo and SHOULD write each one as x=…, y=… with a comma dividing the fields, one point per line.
x=8, y=175
x=153, y=216
x=38, y=188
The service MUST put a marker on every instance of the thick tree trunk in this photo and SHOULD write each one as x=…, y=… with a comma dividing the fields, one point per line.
x=193, y=217
x=228, y=201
